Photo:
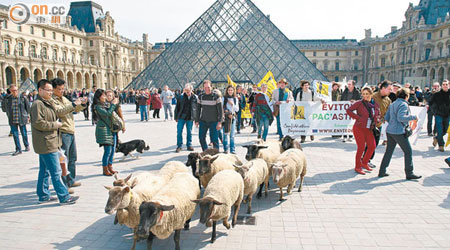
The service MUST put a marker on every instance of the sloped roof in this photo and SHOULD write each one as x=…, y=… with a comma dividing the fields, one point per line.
x=232, y=37
x=85, y=14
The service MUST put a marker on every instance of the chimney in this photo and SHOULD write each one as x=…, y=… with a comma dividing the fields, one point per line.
x=393, y=28
x=268, y=16
x=167, y=40
x=343, y=38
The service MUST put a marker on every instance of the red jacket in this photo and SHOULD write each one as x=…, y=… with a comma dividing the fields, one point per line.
x=156, y=101
x=362, y=114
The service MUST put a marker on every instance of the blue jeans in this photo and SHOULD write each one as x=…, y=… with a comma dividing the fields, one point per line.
x=15, y=132
x=263, y=122
x=180, y=126
x=49, y=166
x=213, y=134
x=239, y=119
x=168, y=109
x=108, y=152
x=279, y=131
x=441, y=127
x=70, y=150
x=144, y=115
x=231, y=136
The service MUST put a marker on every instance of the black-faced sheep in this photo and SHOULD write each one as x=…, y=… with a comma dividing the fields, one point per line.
x=126, y=200
x=169, y=210
x=210, y=165
x=195, y=156
x=254, y=173
x=288, y=142
x=226, y=189
x=289, y=166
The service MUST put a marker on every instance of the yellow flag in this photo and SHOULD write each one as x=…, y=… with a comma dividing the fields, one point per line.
x=230, y=82
x=269, y=79
x=322, y=88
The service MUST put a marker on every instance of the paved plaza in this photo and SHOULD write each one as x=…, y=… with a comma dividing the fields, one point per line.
x=337, y=209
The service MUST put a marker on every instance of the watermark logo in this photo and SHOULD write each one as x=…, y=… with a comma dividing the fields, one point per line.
x=21, y=13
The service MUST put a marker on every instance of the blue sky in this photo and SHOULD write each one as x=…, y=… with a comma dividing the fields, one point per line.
x=297, y=19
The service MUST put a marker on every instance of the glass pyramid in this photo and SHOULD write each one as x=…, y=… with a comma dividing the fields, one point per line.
x=232, y=37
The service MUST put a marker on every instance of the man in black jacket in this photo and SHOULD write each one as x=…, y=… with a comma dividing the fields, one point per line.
x=427, y=97
x=17, y=107
x=185, y=111
x=440, y=104
x=350, y=94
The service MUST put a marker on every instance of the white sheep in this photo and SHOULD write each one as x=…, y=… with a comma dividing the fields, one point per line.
x=289, y=166
x=169, y=210
x=209, y=165
x=269, y=151
x=126, y=200
x=254, y=173
x=225, y=189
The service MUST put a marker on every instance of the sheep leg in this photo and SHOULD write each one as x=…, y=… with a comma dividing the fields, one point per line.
x=186, y=224
x=281, y=194
x=289, y=189
x=266, y=185
x=225, y=223
x=300, y=186
x=236, y=211
x=260, y=191
x=133, y=247
x=249, y=208
x=176, y=238
x=150, y=241
x=213, y=235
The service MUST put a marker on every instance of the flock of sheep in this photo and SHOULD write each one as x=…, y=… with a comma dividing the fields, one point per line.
x=157, y=204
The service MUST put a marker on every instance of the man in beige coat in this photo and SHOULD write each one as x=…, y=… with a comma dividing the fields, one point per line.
x=64, y=109
x=46, y=142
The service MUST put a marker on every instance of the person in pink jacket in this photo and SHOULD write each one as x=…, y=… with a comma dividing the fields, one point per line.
x=366, y=116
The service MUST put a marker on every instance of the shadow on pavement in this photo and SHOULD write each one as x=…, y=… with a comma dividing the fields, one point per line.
x=22, y=202
x=360, y=186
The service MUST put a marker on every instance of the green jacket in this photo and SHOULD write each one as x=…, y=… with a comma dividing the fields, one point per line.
x=103, y=134
x=45, y=133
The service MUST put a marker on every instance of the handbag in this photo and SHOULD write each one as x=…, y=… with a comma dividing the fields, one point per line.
x=117, y=123
x=408, y=130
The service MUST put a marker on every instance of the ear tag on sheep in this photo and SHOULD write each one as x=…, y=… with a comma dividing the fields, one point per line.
x=160, y=215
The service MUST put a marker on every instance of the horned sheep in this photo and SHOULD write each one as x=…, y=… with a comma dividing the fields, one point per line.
x=210, y=165
x=126, y=200
x=169, y=210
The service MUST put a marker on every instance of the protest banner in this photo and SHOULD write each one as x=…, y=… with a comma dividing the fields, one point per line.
x=315, y=118
x=245, y=113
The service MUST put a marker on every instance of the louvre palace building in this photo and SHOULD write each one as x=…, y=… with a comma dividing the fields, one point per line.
x=85, y=51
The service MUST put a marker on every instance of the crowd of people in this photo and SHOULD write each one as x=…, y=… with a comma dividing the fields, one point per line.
x=50, y=111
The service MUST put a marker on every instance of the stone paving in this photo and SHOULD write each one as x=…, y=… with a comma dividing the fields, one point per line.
x=337, y=209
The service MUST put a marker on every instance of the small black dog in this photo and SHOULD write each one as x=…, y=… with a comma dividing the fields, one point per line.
x=127, y=147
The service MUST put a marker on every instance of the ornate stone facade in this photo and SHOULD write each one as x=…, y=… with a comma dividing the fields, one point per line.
x=82, y=57
x=418, y=52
